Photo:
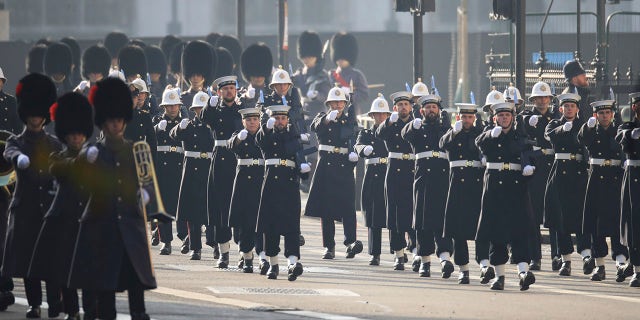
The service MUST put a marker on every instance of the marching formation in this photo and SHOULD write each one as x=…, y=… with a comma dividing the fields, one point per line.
x=233, y=140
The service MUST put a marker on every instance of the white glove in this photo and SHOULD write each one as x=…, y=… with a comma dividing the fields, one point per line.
x=92, y=154
x=304, y=137
x=346, y=90
x=528, y=170
x=184, y=123
x=635, y=133
x=23, y=161
x=533, y=121
x=393, y=117
x=457, y=127
x=162, y=125
x=417, y=123
x=591, y=122
x=332, y=115
x=312, y=94
x=82, y=85
x=567, y=126
x=495, y=132
x=243, y=134
x=271, y=122
x=483, y=161
x=353, y=157
x=367, y=150
x=213, y=101
x=305, y=167
x=251, y=92
x=145, y=197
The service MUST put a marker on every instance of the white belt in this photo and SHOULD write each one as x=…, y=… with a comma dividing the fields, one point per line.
x=250, y=162
x=465, y=163
x=632, y=163
x=280, y=162
x=604, y=162
x=568, y=156
x=402, y=156
x=324, y=147
x=220, y=143
x=170, y=149
x=503, y=166
x=375, y=161
x=433, y=154
x=196, y=154
x=546, y=152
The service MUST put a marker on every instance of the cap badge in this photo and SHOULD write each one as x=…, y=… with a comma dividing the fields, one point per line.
x=172, y=96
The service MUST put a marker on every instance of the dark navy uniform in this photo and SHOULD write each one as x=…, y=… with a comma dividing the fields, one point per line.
x=141, y=129
x=312, y=79
x=296, y=116
x=9, y=120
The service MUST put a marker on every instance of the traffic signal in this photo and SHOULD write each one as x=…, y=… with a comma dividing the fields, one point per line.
x=420, y=6
x=504, y=9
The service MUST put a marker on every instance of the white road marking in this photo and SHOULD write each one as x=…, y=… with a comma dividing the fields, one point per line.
x=318, y=315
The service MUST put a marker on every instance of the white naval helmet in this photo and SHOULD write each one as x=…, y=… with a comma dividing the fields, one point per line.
x=2, y=76
x=335, y=94
x=379, y=105
x=512, y=93
x=140, y=85
x=540, y=89
x=280, y=76
x=493, y=97
x=419, y=89
x=200, y=100
x=171, y=97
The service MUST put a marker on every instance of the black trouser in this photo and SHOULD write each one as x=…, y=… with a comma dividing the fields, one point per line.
x=553, y=243
x=427, y=241
x=89, y=300
x=461, y=249
x=33, y=291
x=499, y=252
x=291, y=244
x=259, y=242
x=245, y=238
x=482, y=251
x=329, y=231
x=195, y=236
x=412, y=242
x=397, y=241
x=70, y=301
x=165, y=230
x=634, y=256
x=375, y=241
x=565, y=245
x=600, y=247
x=535, y=243
x=106, y=303
x=222, y=234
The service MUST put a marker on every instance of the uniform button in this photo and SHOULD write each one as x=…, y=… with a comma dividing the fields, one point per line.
x=80, y=204
x=290, y=179
x=500, y=182
x=117, y=164
x=599, y=153
x=328, y=163
x=222, y=158
x=246, y=144
x=275, y=177
x=462, y=180
x=220, y=120
x=397, y=146
x=165, y=163
x=601, y=177
x=425, y=135
x=329, y=129
x=195, y=146
x=517, y=181
x=141, y=124
x=564, y=172
x=221, y=133
x=248, y=177
x=196, y=169
x=329, y=140
x=397, y=134
x=40, y=187
x=41, y=205
x=342, y=165
x=499, y=158
x=119, y=199
x=375, y=174
x=499, y=145
x=460, y=156
x=428, y=169
x=120, y=180
x=119, y=217
x=275, y=154
x=275, y=143
x=398, y=170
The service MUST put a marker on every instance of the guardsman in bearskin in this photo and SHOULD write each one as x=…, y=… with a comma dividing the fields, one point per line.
x=223, y=119
x=198, y=68
x=332, y=193
x=174, y=76
x=564, y=196
x=197, y=143
x=29, y=153
x=95, y=67
x=169, y=169
x=53, y=252
x=279, y=213
x=629, y=137
x=73, y=44
x=344, y=53
x=225, y=65
x=9, y=120
x=503, y=218
x=399, y=176
x=157, y=63
x=256, y=62
x=35, y=59
x=601, y=216
x=112, y=251
x=133, y=63
x=534, y=124
x=431, y=182
x=57, y=65
x=372, y=149
x=245, y=200
x=578, y=83
x=233, y=46
x=114, y=41
x=465, y=192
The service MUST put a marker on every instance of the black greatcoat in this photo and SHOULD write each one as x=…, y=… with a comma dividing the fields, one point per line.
x=431, y=180
x=601, y=203
x=333, y=192
x=465, y=185
x=32, y=197
x=192, y=201
x=247, y=185
x=630, y=211
x=112, y=227
x=398, y=178
x=372, y=200
x=9, y=120
x=564, y=196
x=168, y=164
x=53, y=252
x=140, y=128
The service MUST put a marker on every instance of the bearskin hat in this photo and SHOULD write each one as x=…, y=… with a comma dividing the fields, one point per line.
x=114, y=41
x=232, y=44
x=225, y=63
x=156, y=61
x=58, y=59
x=44, y=41
x=167, y=43
x=35, y=94
x=132, y=61
x=571, y=69
x=344, y=46
x=72, y=113
x=212, y=38
x=175, y=58
x=199, y=57
x=75, y=53
x=137, y=42
x=309, y=45
x=35, y=59
x=111, y=99
x=256, y=61
x=96, y=59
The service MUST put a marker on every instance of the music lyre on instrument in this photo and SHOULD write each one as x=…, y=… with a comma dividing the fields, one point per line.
x=148, y=181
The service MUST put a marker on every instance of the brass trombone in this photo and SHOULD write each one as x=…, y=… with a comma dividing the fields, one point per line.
x=148, y=181
x=7, y=174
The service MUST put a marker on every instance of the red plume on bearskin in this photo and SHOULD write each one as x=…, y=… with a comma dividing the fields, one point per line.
x=52, y=111
x=92, y=94
x=18, y=88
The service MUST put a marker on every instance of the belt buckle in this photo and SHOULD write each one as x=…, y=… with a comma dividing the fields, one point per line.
x=283, y=162
x=405, y=156
x=468, y=163
x=336, y=149
x=383, y=160
x=607, y=162
x=173, y=149
x=435, y=154
x=506, y=166
x=255, y=162
x=572, y=156
x=204, y=155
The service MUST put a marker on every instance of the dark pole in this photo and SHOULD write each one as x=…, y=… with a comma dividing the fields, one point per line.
x=519, y=25
x=241, y=27
x=417, y=46
x=599, y=62
x=282, y=36
x=578, y=14
x=174, y=25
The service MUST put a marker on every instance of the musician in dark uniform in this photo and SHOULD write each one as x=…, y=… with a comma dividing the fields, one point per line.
x=198, y=68
x=279, y=213
x=311, y=79
x=197, y=143
x=245, y=200
x=112, y=251
x=9, y=120
x=503, y=218
x=398, y=183
x=95, y=67
x=564, y=196
x=344, y=53
x=628, y=136
x=578, y=83
x=169, y=166
x=372, y=149
x=601, y=216
x=534, y=125
x=465, y=192
x=157, y=64
x=256, y=62
x=431, y=183
x=51, y=260
x=29, y=153
x=332, y=193
x=57, y=65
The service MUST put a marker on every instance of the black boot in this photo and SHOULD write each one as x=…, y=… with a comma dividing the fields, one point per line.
x=302, y=241
x=273, y=272
x=415, y=265
x=329, y=253
x=55, y=308
x=165, y=250
x=425, y=270
x=195, y=255
x=635, y=281
x=375, y=260
x=223, y=262
x=535, y=265
x=294, y=271
x=447, y=269
x=565, y=270
x=463, y=277
x=33, y=312
x=264, y=266
x=623, y=272
x=216, y=251
x=139, y=316
x=498, y=284
x=588, y=265
x=247, y=267
x=155, y=238
x=556, y=263
x=398, y=264
x=241, y=262
x=486, y=274
x=526, y=279
x=599, y=274
x=75, y=316
x=185, y=248
x=6, y=299
x=354, y=249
